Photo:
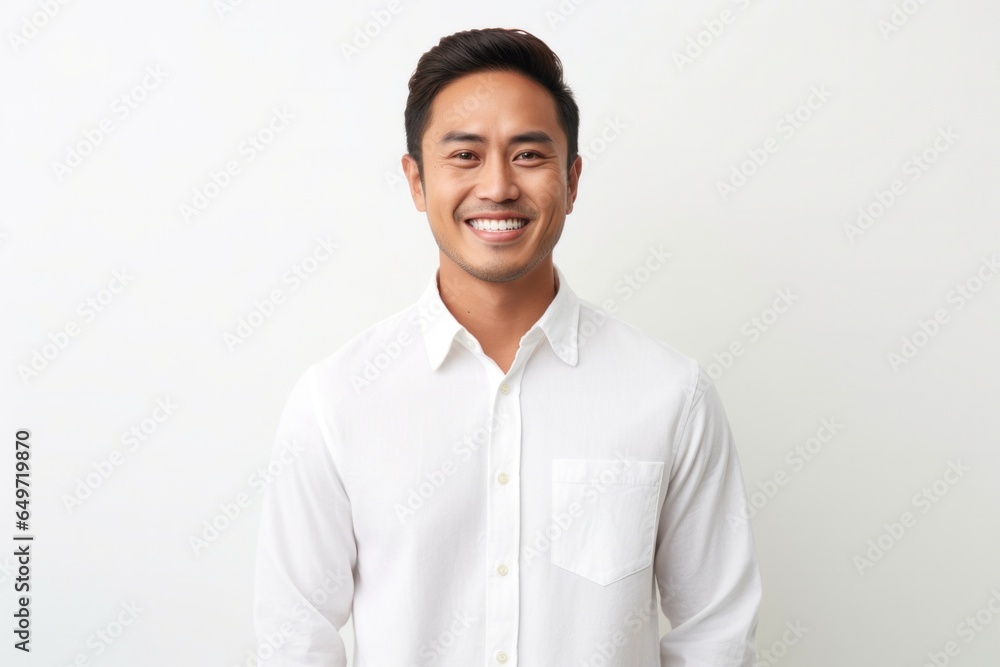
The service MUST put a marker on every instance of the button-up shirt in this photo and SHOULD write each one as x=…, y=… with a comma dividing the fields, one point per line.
x=472, y=517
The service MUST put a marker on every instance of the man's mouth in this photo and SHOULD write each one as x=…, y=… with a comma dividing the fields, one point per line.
x=485, y=225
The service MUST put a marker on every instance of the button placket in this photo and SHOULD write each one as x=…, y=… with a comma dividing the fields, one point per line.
x=503, y=587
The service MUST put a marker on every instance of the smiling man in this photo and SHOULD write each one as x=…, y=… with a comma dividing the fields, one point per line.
x=499, y=182
x=522, y=473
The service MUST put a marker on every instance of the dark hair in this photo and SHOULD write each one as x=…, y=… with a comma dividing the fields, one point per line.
x=482, y=50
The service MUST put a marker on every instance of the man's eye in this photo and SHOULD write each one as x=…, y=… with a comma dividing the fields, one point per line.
x=459, y=155
x=531, y=153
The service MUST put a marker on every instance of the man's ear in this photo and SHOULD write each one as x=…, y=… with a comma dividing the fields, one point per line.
x=574, y=181
x=413, y=179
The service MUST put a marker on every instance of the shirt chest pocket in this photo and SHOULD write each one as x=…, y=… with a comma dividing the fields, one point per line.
x=606, y=513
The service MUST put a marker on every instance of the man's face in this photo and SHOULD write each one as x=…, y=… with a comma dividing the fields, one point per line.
x=493, y=149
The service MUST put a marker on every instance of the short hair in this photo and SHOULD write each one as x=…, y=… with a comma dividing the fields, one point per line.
x=484, y=50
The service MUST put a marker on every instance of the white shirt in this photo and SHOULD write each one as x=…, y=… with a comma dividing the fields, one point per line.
x=470, y=517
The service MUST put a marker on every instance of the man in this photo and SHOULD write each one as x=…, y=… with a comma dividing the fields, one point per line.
x=501, y=474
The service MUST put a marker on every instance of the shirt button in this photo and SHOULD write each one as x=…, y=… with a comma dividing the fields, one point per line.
x=504, y=389
x=503, y=478
x=502, y=570
x=501, y=656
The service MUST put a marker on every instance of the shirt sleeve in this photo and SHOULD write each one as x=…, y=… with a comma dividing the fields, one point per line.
x=306, y=551
x=706, y=563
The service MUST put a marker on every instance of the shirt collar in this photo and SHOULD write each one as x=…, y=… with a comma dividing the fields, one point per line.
x=558, y=323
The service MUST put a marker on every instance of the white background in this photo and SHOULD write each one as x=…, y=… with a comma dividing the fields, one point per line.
x=333, y=172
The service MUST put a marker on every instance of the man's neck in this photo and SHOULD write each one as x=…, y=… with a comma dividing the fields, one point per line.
x=497, y=314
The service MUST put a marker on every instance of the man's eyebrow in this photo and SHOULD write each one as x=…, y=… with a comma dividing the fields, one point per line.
x=532, y=137
x=463, y=137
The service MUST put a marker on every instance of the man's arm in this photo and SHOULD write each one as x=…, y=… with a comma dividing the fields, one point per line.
x=706, y=564
x=306, y=552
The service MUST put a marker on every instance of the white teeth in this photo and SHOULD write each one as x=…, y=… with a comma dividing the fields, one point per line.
x=498, y=225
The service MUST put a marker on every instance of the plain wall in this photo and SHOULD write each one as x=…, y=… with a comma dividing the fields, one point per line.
x=878, y=342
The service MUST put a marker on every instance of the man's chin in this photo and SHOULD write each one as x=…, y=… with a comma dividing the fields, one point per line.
x=497, y=272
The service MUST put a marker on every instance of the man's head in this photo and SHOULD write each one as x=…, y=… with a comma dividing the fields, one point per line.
x=491, y=131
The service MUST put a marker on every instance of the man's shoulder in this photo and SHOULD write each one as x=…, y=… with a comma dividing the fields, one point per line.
x=644, y=352
x=348, y=375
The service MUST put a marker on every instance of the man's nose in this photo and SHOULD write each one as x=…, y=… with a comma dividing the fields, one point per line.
x=497, y=181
